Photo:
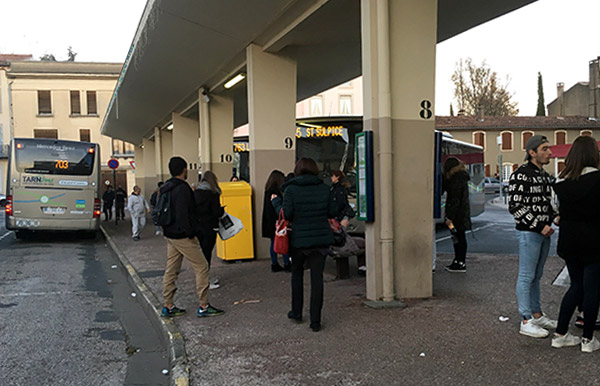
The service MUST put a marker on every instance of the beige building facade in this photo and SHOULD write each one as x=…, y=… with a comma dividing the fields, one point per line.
x=508, y=135
x=67, y=101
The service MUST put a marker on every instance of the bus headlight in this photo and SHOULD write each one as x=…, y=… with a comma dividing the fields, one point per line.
x=20, y=223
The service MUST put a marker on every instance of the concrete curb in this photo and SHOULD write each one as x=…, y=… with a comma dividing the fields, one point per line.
x=180, y=371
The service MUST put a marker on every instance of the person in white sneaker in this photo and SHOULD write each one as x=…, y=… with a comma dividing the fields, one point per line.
x=530, y=203
x=578, y=190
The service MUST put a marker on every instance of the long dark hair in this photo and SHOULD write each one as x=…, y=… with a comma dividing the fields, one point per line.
x=341, y=178
x=210, y=178
x=275, y=180
x=583, y=153
x=451, y=163
x=306, y=166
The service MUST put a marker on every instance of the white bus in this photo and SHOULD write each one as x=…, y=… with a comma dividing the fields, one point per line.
x=52, y=185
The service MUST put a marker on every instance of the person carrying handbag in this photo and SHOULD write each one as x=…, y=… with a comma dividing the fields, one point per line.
x=269, y=218
x=307, y=203
x=208, y=210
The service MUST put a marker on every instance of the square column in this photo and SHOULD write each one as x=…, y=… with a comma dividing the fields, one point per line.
x=158, y=164
x=166, y=151
x=138, y=157
x=216, y=135
x=398, y=48
x=185, y=144
x=150, y=178
x=272, y=121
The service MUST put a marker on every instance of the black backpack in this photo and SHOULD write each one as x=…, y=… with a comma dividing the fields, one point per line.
x=162, y=214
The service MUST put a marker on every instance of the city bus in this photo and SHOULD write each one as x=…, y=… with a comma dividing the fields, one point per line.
x=52, y=185
x=330, y=142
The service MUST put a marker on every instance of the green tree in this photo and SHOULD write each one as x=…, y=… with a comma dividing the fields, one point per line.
x=541, y=107
x=478, y=88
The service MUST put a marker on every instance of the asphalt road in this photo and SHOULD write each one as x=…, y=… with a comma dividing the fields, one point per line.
x=69, y=317
x=494, y=233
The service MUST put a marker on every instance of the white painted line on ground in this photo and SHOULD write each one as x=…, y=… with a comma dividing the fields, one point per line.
x=474, y=230
x=5, y=235
x=20, y=294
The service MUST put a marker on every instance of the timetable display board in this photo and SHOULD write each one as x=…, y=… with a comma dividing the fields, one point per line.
x=364, y=177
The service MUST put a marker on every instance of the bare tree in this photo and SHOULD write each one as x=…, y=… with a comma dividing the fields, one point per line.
x=478, y=88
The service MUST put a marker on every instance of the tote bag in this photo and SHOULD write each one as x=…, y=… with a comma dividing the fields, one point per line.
x=281, y=244
x=229, y=226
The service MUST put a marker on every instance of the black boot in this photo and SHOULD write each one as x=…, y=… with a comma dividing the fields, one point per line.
x=276, y=268
x=287, y=267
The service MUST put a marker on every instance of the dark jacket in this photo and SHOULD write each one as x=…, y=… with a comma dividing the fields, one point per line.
x=579, y=210
x=530, y=198
x=120, y=196
x=342, y=208
x=307, y=204
x=269, y=216
x=183, y=207
x=108, y=197
x=208, y=206
x=457, y=199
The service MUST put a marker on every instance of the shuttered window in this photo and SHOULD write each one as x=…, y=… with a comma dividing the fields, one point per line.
x=507, y=140
x=92, y=108
x=75, y=103
x=560, y=137
x=84, y=135
x=479, y=138
x=44, y=102
x=587, y=133
x=524, y=138
x=45, y=133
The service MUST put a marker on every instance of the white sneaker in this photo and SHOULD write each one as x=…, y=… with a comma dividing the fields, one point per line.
x=545, y=322
x=532, y=330
x=590, y=345
x=158, y=233
x=566, y=340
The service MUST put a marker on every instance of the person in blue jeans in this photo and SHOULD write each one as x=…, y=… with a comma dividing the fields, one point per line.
x=530, y=203
x=269, y=218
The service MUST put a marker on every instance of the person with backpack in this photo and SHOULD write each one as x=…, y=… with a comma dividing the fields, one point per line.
x=153, y=199
x=137, y=207
x=120, y=196
x=175, y=211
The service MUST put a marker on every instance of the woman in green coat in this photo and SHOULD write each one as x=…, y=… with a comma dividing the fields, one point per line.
x=307, y=204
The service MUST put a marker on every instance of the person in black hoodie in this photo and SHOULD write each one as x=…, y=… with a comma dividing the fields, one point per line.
x=208, y=210
x=578, y=192
x=269, y=218
x=458, y=212
x=339, y=192
x=108, y=198
x=180, y=235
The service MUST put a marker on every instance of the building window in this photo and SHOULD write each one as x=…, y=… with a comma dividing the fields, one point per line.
x=45, y=133
x=345, y=104
x=92, y=109
x=479, y=138
x=507, y=140
x=560, y=137
x=515, y=167
x=44, y=102
x=84, y=135
x=560, y=166
x=487, y=170
x=524, y=138
x=586, y=132
x=507, y=170
x=316, y=106
x=75, y=103
x=122, y=149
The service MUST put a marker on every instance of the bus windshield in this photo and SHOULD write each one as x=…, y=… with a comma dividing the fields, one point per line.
x=54, y=157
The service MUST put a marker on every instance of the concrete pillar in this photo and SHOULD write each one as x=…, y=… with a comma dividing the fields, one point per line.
x=149, y=166
x=158, y=162
x=166, y=150
x=398, y=48
x=272, y=119
x=139, y=168
x=216, y=135
x=185, y=144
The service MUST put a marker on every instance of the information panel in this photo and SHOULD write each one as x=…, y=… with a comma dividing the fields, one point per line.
x=364, y=177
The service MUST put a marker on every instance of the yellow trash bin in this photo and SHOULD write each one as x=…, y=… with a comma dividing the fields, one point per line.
x=236, y=197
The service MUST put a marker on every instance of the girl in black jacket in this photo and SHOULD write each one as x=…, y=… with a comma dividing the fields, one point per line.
x=578, y=191
x=339, y=192
x=458, y=212
x=208, y=211
x=269, y=218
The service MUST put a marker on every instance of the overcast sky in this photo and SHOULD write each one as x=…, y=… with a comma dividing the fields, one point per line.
x=556, y=37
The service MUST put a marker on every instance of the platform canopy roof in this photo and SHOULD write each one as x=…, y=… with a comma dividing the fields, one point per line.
x=182, y=45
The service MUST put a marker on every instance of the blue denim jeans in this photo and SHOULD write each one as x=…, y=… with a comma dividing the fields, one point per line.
x=533, y=251
x=286, y=258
